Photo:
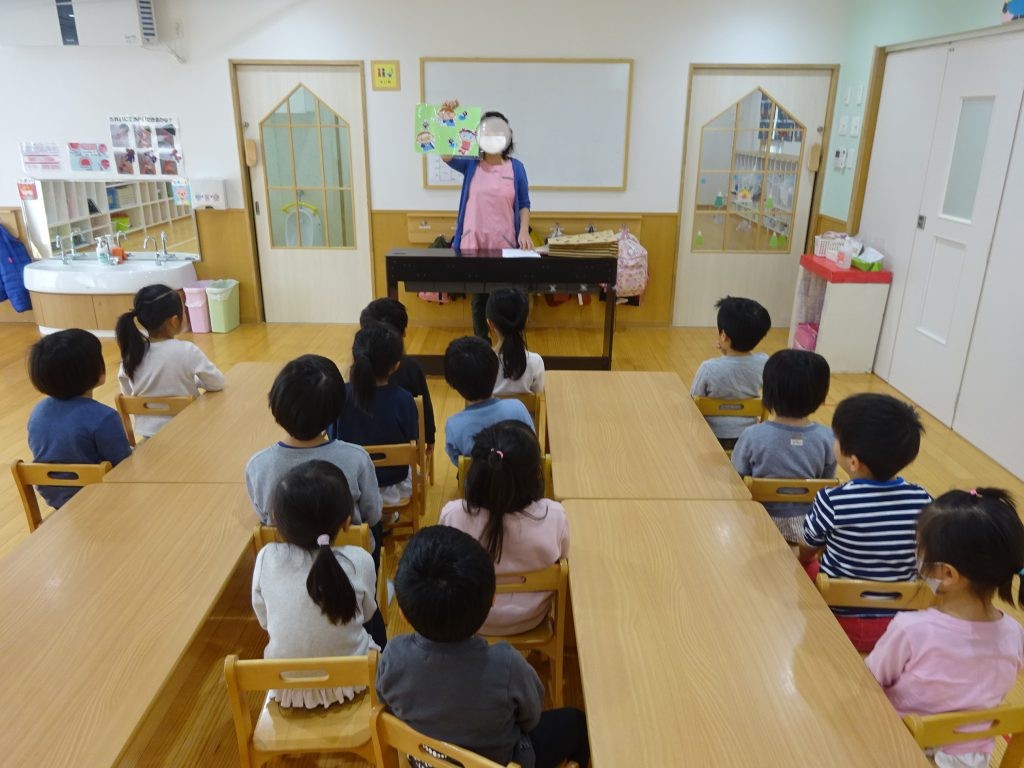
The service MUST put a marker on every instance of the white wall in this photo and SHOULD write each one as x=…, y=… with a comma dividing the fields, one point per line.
x=66, y=94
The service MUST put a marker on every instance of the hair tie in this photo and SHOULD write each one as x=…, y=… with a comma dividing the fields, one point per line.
x=501, y=454
x=973, y=491
x=323, y=540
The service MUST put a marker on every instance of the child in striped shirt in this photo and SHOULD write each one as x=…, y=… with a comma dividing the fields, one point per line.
x=865, y=528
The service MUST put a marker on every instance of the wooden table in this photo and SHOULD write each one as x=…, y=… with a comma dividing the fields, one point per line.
x=98, y=606
x=212, y=439
x=632, y=435
x=702, y=642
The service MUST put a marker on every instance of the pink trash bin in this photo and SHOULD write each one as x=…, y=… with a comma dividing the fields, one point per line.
x=198, y=308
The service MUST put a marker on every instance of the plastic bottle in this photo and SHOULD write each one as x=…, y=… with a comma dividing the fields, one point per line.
x=699, y=239
x=102, y=251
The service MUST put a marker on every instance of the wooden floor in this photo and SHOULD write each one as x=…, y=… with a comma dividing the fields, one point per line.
x=191, y=724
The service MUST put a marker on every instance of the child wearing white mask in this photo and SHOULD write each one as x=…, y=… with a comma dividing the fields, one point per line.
x=494, y=208
x=963, y=654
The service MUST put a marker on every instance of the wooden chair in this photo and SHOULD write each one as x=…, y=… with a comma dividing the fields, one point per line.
x=413, y=455
x=548, y=637
x=947, y=728
x=787, y=489
x=890, y=595
x=393, y=739
x=538, y=408
x=28, y=475
x=338, y=728
x=464, y=462
x=355, y=536
x=147, y=406
x=751, y=407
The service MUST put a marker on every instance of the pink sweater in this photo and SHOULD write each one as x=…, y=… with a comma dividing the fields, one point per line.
x=929, y=662
x=536, y=537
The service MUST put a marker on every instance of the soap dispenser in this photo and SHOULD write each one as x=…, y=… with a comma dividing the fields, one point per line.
x=102, y=250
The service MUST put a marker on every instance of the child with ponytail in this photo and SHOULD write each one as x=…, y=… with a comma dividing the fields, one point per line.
x=155, y=364
x=520, y=371
x=377, y=412
x=505, y=510
x=964, y=653
x=311, y=597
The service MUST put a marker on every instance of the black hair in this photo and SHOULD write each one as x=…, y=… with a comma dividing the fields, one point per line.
x=390, y=311
x=980, y=534
x=508, y=308
x=511, y=144
x=744, y=321
x=504, y=477
x=311, y=500
x=471, y=367
x=152, y=306
x=795, y=383
x=444, y=584
x=882, y=432
x=376, y=350
x=307, y=395
x=66, y=364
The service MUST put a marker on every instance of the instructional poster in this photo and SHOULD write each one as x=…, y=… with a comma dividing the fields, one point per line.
x=41, y=156
x=446, y=129
x=146, y=146
x=88, y=156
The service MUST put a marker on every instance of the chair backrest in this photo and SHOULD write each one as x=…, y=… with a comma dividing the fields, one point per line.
x=28, y=475
x=751, y=407
x=787, y=489
x=536, y=404
x=890, y=595
x=465, y=461
x=413, y=455
x=268, y=674
x=128, y=406
x=392, y=738
x=947, y=728
x=355, y=536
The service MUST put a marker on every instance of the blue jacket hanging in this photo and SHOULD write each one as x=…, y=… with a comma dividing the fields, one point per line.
x=13, y=259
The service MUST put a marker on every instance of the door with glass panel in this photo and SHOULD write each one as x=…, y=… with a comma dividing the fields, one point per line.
x=974, y=129
x=309, y=189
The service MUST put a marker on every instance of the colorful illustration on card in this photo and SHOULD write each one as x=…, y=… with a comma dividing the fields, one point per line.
x=88, y=157
x=446, y=129
x=146, y=146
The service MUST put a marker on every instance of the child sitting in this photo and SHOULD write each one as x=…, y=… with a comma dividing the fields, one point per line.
x=409, y=375
x=790, y=445
x=521, y=371
x=158, y=365
x=864, y=529
x=69, y=427
x=308, y=395
x=471, y=367
x=964, y=654
x=742, y=323
x=505, y=510
x=311, y=597
x=376, y=412
x=449, y=683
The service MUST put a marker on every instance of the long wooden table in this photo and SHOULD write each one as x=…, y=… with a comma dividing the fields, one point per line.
x=99, y=605
x=212, y=439
x=702, y=642
x=633, y=435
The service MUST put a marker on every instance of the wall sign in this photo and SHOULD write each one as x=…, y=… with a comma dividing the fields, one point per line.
x=146, y=146
x=41, y=156
x=385, y=75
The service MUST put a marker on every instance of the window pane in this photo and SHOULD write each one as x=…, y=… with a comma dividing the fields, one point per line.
x=708, y=231
x=303, y=107
x=277, y=157
x=279, y=116
x=327, y=117
x=716, y=150
x=968, y=153
x=336, y=157
x=311, y=215
x=306, y=150
x=741, y=231
x=283, y=231
x=725, y=121
x=774, y=234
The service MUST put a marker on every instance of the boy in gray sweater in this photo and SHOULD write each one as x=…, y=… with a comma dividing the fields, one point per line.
x=450, y=684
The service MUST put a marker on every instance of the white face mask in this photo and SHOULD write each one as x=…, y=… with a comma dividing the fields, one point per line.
x=932, y=584
x=492, y=145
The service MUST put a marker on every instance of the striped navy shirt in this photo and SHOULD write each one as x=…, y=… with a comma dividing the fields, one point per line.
x=868, y=531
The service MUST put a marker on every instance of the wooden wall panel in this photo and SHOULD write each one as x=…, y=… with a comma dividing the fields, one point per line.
x=227, y=249
x=658, y=233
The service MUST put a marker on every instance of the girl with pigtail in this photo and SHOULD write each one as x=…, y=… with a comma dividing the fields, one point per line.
x=520, y=371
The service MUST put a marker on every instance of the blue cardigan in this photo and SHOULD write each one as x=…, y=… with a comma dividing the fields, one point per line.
x=467, y=167
x=13, y=260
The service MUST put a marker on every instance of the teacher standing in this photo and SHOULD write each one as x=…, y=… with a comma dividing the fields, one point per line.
x=494, y=209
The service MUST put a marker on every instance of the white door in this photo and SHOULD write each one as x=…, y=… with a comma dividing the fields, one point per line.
x=747, y=187
x=309, y=189
x=973, y=135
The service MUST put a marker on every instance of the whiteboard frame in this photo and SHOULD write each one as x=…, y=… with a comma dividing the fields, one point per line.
x=621, y=187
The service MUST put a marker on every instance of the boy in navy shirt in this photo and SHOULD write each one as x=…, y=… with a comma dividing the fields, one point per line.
x=69, y=427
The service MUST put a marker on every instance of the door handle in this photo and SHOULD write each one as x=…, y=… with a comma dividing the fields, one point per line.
x=256, y=206
x=250, y=153
x=922, y=222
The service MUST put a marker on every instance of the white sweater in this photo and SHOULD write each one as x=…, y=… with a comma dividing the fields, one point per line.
x=532, y=379
x=170, y=368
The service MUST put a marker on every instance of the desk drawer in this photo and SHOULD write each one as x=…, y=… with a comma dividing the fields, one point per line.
x=425, y=228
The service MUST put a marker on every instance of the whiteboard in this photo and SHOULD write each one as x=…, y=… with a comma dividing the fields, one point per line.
x=569, y=117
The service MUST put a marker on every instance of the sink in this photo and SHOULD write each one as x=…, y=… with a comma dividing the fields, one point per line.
x=90, y=277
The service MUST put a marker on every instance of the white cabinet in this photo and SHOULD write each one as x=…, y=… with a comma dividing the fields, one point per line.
x=838, y=313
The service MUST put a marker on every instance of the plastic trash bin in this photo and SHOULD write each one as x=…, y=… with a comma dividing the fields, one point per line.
x=223, y=299
x=195, y=301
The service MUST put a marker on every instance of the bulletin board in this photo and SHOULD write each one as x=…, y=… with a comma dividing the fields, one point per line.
x=570, y=117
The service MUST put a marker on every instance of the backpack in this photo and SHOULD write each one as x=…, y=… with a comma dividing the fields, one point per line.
x=631, y=276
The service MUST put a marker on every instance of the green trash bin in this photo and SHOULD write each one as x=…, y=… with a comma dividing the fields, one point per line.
x=222, y=297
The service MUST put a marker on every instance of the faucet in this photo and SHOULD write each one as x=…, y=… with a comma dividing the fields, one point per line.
x=59, y=243
x=119, y=237
x=146, y=239
x=162, y=257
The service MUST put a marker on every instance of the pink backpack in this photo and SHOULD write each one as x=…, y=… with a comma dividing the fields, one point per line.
x=631, y=278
